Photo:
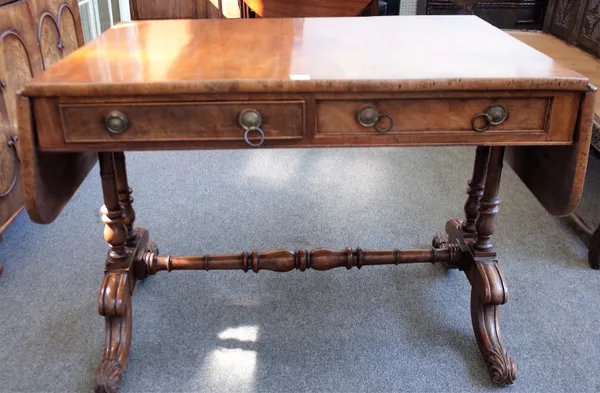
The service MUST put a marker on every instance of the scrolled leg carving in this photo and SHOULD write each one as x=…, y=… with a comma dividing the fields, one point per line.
x=114, y=303
x=488, y=293
x=108, y=377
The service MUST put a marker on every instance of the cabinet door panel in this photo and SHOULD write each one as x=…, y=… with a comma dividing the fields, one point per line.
x=49, y=39
x=19, y=61
x=562, y=18
x=168, y=9
x=67, y=26
x=59, y=29
x=589, y=35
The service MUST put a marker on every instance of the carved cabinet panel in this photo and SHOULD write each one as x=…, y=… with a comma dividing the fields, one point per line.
x=34, y=34
x=58, y=27
x=589, y=36
x=68, y=27
x=564, y=19
x=523, y=14
x=575, y=21
x=49, y=40
x=19, y=61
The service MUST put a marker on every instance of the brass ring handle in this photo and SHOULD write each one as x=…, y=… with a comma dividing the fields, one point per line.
x=116, y=122
x=261, y=133
x=12, y=142
x=495, y=115
x=251, y=120
x=488, y=122
x=370, y=116
x=389, y=127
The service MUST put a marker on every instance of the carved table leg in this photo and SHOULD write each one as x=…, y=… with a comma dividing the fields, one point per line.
x=125, y=198
x=488, y=286
x=126, y=246
x=489, y=205
x=475, y=189
x=487, y=294
x=115, y=305
x=126, y=202
x=473, y=237
x=459, y=230
x=114, y=302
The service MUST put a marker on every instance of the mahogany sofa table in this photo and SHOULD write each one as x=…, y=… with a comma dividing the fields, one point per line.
x=301, y=83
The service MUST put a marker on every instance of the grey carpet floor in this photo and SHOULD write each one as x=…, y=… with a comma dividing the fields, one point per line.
x=380, y=329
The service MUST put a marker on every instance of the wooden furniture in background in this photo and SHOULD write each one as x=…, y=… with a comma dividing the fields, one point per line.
x=308, y=8
x=178, y=9
x=17, y=38
x=504, y=14
x=575, y=21
x=34, y=34
x=212, y=9
x=309, y=87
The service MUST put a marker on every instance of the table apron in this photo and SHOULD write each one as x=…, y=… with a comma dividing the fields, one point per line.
x=307, y=120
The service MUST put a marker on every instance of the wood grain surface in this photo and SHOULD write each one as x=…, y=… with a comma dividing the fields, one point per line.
x=565, y=54
x=19, y=61
x=311, y=55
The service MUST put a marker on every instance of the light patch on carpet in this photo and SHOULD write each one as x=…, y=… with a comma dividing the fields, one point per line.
x=231, y=369
x=241, y=333
x=270, y=167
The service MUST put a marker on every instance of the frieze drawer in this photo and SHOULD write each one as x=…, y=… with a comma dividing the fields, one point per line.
x=462, y=115
x=204, y=121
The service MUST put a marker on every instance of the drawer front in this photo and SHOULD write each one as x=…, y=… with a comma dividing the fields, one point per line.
x=182, y=121
x=528, y=115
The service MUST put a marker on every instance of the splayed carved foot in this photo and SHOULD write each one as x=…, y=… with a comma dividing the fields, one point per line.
x=488, y=293
x=502, y=367
x=108, y=377
x=115, y=305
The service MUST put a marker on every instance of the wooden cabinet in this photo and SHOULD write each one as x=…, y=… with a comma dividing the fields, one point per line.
x=174, y=9
x=183, y=9
x=203, y=9
x=505, y=14
x=18, y=62
x=575, y=21
x=33, y=35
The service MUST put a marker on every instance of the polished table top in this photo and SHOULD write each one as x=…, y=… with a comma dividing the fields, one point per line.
x=304, y=54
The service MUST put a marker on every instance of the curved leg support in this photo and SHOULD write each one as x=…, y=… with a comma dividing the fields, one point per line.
x=488, y=293
x=114, y=304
